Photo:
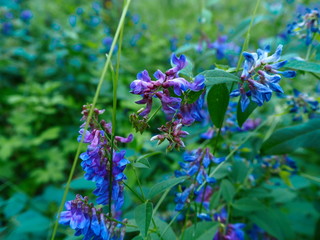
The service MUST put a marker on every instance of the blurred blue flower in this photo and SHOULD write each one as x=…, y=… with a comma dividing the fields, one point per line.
x=26, y=15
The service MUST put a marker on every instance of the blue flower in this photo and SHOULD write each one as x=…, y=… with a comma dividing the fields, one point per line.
x=177, y=63
x=26, y=15
x=90, y=222
x=73, y=20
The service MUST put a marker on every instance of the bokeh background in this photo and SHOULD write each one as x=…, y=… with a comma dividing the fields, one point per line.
x=51, y=57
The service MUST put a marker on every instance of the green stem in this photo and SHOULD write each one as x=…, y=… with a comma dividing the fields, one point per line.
x=310, y=47
x=246, y=41
x=95, y=99
x=115, y=79
x=170, y=223
x=134, y=192
x=185, y=222
x=139, y=184
x=160, y=201
x=154, y=113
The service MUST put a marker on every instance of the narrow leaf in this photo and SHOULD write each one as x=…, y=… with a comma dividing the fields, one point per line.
x=243, y=116
x=143, y=215
x=217, y=76
x=218, y=101
x=304, y=66
x=227, y=190
x=248, y=205
x=289, y=139
x=162, y=186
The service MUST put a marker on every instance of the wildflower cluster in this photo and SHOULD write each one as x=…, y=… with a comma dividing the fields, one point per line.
x=277, y=164
x=228, y=231
x=104, y=165
x=101, y=162
x=306, y=26
x=172, y=91
x=13, y=22
x=223, y=48
x=301, y=104
x=195, y=166
x=91, y=222
x=260, y=77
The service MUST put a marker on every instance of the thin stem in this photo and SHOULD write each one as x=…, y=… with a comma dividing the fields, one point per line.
x=246, y=41
x=115, y=79
x=170, y=223
x=315, y=75
x=154, y=113
x=95, y=99
x=185, y=222
x=139, y=183
x=160, y=201
x=134, y=192
x=310, y=47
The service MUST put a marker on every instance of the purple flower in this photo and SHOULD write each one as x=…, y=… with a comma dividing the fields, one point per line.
x=26, y=15
x=178, y=64
x=90, y=222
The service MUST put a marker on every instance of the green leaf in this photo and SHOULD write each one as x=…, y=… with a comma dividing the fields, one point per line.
x=227, y=190
x=137, y=238
x=243, y=116
x=185, y=48
x=193, y=96
x=162, y=186
x=148, y=155
x=143, y=163
x=273, y=222
x=81, y=183
x=223, y=171
x=187, y=71
x=217, y=76
x=243, y=26
x=218, y=101
x=201, y=231
x=32, y=221
x=304, y=66
x=239, y=171
x=49, y=134
x=248, y=205
x=143, y=215
x=283, y=195
x=15, y=204
x=166, y=232
x=289, y=139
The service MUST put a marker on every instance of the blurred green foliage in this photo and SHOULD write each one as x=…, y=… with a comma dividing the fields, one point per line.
x=49, y=68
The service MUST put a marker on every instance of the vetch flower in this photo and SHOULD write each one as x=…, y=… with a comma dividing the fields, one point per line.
x=260, y=77
x=90, y=222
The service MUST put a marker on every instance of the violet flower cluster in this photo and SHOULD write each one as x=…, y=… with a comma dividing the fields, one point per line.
x=229, y=231
x=195, y=165
x=172, y=91
x=306, y=25
x=96, y=161
x=90, y=222
x=223, y=48
x=279, y=163
x=260, y=77
x=104, y=165
x=301, y=104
